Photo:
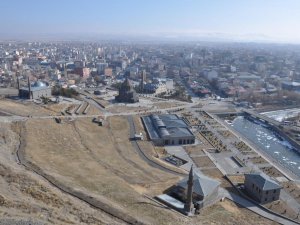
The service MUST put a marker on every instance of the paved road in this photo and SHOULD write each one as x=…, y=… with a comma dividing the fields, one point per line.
x=251, y=206
x=234, y=198
x=293, y=204
x=264, y=155
x=144, y=156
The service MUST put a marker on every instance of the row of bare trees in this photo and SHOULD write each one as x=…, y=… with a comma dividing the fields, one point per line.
x=281, y=97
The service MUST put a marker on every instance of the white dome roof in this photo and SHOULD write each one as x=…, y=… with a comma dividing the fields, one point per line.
x=39, y=84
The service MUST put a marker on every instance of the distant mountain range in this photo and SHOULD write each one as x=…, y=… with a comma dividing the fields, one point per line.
x=158, y=36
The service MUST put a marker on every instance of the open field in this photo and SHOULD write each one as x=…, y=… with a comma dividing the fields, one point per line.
x=32, y=109
x=228, y=212
x=283, y=208
x=24, y=109
x=293, y=189
x=194, y=149
x=93, y=110
x=101, y=161
x=203, y=161
x=55, y=108
x=25, y=198
x=167, y=104
x=102, y=102
x=123, y=108
x=8, y=91
x=97, y=161
x=272, y=171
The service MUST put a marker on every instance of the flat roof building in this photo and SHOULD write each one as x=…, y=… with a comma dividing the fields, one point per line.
x=290, y=86
x=168, y=129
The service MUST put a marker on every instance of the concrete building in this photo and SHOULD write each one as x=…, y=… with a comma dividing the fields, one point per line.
x=261, y=188
x=159, y=86
x=211, y=75
x=108, y=72
x=170, y=84
x=155, y=88
x=168, y=129
x=83, y=72
x=290, y=86
x=79, y=64
x=100, y=92
x=127, y=93
x=37, y=90
x=248, y=77
x=143, y=80
x=101, y=67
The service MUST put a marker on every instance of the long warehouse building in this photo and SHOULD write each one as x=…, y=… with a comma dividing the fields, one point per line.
x=168, y=129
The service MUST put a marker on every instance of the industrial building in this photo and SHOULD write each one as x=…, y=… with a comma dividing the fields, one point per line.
x=37, y=90
x=168, y=129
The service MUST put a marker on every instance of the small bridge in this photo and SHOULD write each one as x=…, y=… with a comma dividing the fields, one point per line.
x=261, y=117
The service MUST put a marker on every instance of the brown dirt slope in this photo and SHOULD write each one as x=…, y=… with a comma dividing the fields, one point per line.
x=26, y=198
x=102, y=162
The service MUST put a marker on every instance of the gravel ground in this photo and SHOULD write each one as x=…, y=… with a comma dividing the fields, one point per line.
x=19, y=222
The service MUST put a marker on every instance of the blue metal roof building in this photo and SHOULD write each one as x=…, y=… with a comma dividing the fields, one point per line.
x=168, y=129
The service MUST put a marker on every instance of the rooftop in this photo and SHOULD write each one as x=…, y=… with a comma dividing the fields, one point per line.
x=202, y=185
x=166, y=125
x=36, y=86
x=262, y=181
x=290, y=83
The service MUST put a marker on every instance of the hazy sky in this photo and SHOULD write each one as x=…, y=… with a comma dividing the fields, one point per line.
x=237, y=19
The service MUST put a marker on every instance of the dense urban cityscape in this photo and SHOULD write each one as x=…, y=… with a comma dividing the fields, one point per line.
x=152, y=121
x=194, y=101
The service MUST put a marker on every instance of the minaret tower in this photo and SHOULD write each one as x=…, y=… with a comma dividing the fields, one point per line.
x=188, y=206
x=29, y=89
x=18, y=84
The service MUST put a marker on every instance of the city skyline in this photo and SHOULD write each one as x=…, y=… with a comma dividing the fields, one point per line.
x=269, y=20
x=147, y=112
